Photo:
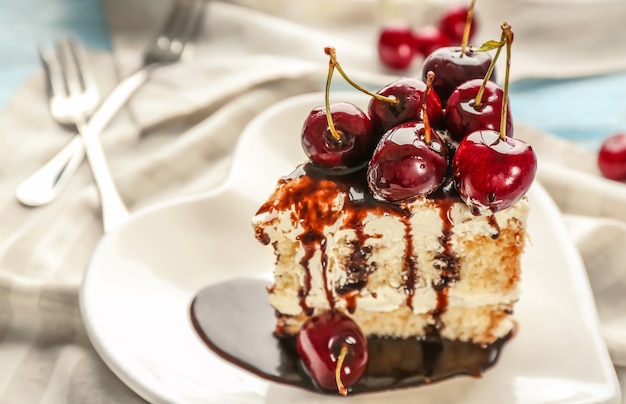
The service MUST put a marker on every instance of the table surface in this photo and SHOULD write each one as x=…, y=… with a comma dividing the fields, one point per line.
x=585, y=110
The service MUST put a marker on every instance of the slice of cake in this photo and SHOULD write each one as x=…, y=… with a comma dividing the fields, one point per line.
x=395, y=231
x=428, y=266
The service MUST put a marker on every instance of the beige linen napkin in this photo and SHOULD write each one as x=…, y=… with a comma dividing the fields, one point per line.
x=177, y=135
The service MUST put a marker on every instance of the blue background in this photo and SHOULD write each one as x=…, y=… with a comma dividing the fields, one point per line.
x=26, y=24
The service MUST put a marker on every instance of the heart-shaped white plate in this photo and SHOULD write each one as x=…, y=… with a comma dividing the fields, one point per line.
x=142, y=277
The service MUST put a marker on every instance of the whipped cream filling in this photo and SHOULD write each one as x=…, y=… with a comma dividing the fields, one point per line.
x=382, y=285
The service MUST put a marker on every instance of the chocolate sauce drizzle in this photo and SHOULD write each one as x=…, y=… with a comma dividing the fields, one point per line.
x=315, y=197
x=446, y=262
x=409, y=270
x=234, y=320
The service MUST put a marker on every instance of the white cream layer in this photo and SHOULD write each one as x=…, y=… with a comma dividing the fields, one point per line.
x=385, y=289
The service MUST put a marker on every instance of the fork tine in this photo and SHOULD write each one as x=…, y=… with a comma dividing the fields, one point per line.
x=86, y=74
x=195, y=22
x=191, y=29
x=175, y=16
x=186, y=21
x=91, y=94
x=54, y=77
x=46, y=67
x=69, y=67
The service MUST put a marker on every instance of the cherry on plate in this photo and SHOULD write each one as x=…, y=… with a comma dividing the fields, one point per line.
x=320, y=343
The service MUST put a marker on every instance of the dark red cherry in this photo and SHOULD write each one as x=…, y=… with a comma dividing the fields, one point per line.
x=409, y=92
x=491, y=173
x=612, y=157
x=452, y=24
x=395, y=46
x=353, y=126
x=405, y=165
x=428, y=38
x=452, y=67
x=464, y=116
x=319, y=343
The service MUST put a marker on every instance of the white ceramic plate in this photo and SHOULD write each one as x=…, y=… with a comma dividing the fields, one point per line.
x=137, y=290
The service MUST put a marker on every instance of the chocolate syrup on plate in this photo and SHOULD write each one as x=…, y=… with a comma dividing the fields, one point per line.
x=236, y=322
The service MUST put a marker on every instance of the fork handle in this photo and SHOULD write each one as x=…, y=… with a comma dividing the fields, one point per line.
x=49, y=180
x=45, y=184
x=114, y=212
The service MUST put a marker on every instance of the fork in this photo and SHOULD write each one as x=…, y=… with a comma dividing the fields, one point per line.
x=70, y=84
x=171, y=45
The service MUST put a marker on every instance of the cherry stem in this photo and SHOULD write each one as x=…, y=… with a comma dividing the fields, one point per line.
x=329, y=118
x=508, y=34
x=468, y=26
x=430, y=77
x=342, y=356
x=335, y=64
x=478, y=101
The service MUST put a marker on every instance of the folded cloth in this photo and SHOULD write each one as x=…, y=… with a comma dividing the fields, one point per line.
x=178, y=132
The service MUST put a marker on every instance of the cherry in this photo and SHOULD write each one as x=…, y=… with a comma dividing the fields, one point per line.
x=612, y=157
x=410, y=161
x=333, y=350
x=350, y=146
x=454, y=21
x=409, y=92
x=454, y=66
x=428, y=38
x=338, y=135
x=492, y=172
x=395, y=46
x=480, y=103
x=465, y=113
